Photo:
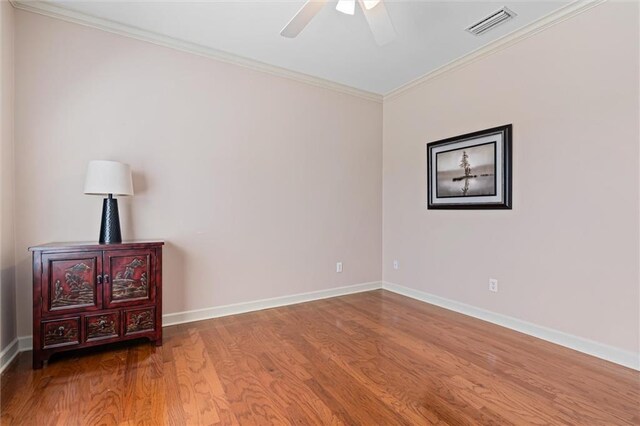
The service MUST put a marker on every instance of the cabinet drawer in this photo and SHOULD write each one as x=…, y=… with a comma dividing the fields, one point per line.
x=62, y=332
x=139, y=320
x=102, y=326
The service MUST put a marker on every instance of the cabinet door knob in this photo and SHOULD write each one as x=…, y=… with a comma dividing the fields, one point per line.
x=99, y=279
x=106, y=278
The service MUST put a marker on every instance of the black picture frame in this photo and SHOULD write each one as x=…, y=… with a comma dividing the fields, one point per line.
x=489, y=186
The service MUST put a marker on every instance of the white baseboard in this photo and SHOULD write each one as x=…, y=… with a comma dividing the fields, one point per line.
x=599, y=350
x=8, y=354
x=257, y=305
x=26, y=343
x=590, y=347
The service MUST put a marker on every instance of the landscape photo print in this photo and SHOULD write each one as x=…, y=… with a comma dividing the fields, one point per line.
x=471, y=171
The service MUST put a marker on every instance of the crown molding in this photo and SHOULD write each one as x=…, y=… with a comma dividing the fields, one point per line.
x=45, y=8
x=55, y=11
x=569, y=11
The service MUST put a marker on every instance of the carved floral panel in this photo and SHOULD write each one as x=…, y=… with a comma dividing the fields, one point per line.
x=72, y=284
x=130, y=278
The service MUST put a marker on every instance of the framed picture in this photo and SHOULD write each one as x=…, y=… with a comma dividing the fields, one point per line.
x=471, y=171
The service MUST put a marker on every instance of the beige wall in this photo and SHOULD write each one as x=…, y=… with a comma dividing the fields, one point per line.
x=258, y=184
x=567, y=255
x=7, y=259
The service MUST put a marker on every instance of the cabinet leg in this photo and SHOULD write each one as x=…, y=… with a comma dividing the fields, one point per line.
x=158, y=342
x=37, y=363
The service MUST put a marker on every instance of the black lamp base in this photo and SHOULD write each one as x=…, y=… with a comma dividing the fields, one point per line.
x=110, y=225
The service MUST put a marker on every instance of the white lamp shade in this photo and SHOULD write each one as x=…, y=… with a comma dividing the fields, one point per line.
x=108, y=177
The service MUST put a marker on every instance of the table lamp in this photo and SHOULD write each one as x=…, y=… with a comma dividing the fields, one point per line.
x=109, y=178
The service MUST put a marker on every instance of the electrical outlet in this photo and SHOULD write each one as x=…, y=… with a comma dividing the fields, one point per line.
x=339, y=267
x=493, y=285
x=396, y=264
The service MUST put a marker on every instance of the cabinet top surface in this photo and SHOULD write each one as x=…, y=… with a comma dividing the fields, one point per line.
x=92, y=245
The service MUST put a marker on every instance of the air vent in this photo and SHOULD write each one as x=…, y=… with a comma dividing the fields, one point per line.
x=491, y=21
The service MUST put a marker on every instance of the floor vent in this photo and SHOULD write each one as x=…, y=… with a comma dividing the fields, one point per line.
x=491, y=21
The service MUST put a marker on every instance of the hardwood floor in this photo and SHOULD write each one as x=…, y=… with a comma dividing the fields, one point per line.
x=372, y=358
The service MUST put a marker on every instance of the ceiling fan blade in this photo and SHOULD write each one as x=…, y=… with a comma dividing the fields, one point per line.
x=348, y=7
x=379, y=22
x=302, y=18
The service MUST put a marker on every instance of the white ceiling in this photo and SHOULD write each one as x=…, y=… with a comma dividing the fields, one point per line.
x=335, y=47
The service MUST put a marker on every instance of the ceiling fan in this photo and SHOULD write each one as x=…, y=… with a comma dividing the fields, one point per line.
x=374, y=11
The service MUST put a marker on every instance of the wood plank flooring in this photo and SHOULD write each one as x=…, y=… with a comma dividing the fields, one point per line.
x=372, y=358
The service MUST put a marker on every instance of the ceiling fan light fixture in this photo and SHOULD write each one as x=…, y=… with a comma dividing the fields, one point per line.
x=348, y=7
x=370, y=4
x=378, y=19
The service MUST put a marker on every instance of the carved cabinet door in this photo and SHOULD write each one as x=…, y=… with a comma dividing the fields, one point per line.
x=72, y=282
x=129, y=278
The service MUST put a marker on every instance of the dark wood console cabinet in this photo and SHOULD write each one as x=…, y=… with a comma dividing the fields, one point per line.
x=94, y=294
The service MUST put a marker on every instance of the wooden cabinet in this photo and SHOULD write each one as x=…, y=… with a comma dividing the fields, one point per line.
x=94, y=294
